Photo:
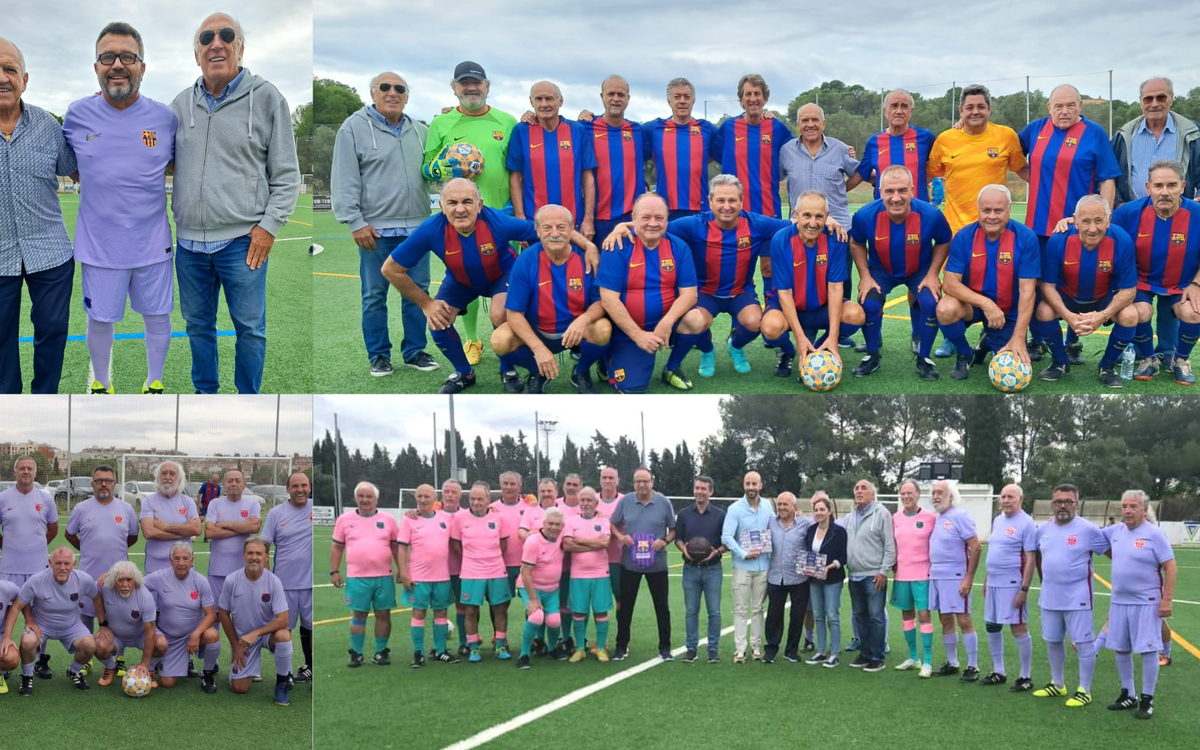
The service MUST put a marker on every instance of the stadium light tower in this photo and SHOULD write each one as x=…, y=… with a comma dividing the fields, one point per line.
x=546, y=426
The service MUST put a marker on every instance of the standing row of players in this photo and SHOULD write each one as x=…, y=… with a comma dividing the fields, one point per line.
x=596, y=174
x=170, y=612
x=588, y=552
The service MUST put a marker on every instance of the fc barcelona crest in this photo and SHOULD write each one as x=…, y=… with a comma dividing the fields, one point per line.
x=912, y=239
x=822, y=259
x=564, y=145
x=597, y=528
x=766, y=137
x=1139, y=543
x=1105, y=266
x=118, y=519
x=492, y=525
x=1071, y=540
x=1178, y=238
x=266, y=597
x=1005, y=257
x=574, y=283
x=743, y=243
x=910, y=148
x=498, y=135
x=442, y=524
x=694, y=130
x=993, y=153
x=1071, y=142
x=1010, y=531
x=149, y=138
x=667, y=264
x=627, y=135
x=619, y=375
x=487, y=248
x=948, y=525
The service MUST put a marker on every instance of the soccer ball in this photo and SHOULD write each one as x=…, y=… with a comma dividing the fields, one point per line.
x=821, y=372
x=136, y=683
x=470, y=157
x=1008, y=373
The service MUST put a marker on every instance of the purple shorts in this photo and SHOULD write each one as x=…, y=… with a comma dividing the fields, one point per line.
x=216, y=583
x=17, y=579
x=1134, y=627
x=1059, y=623
x=944, y=597
x=175, y=661
x=139, y=643
x=300, y=607
x=67, y=639
x=253, y=665
x=150, y=290
x=998, y=606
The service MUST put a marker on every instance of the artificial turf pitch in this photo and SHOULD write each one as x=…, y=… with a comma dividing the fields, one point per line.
x=58, y=715
x=288, y=367
x=740, y=706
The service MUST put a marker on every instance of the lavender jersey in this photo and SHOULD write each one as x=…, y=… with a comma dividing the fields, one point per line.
x=103, y=532
x=56, y=607
x=948, y=544
x=1137, y=558
x=23, y=521
x=8, y=593
x=176, y=510
x=226, y=554
x=1012, y=539
x=290, y=529
x=1065, y=562
x=127, y=616
x=252, y=604
x=180, y=603
x=123, y=158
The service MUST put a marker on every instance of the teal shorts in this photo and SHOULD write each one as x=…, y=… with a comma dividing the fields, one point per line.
x=514, y=572
x=474, y=590
x=614, y=578
x=910, y=595
x=436, y=596
x=456, y=586
x=593, y=594
x=549, y=600
x=368, y=594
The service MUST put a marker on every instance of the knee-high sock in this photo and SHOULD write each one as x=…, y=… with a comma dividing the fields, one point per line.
x=951, y=643
x=449, y=343
x=1072, y=337
x=99, y=346
x=1149, y=673
x=996, y=646
x=358, y=641
x=956, y=333
x=460, y=624
x=742, y=336
x=74, y=667
x=111, y=663
x=873, y=328
x=213, y=650
x=381, y=642
x=1166, y=651
x=1125, y=671
x=1118, y=340
x=704, y=343
x=306, y=644
x=471, y=321
x=27, y=669
x=1143, y=339
x=602, y=630
x=580, y=623
x=910, y=637
x=528, y=633
x=927, y=641
x=1056, y=654
x=1101, y=638
x=1188, y=333
x=915, y=316
x=552, y=636
x=283, y=658
x=418, y=635
x=589, y=354
x=683, y=344
x=971, y=644
x=783, y=343
x=1052, y=334
x=521, y=357
x=1087, y=663
x=158, y=341
x=928, y=328
x=1025, y=651
x=441, y=628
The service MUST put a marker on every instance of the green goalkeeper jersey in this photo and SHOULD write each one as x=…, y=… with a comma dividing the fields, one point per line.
x=489, y=132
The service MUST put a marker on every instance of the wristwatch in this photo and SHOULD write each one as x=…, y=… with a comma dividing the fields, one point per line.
x=1025, y=589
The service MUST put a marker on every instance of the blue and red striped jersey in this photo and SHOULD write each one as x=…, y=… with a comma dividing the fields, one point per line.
x=1064, y=166
x=724, y=258
x=552, y=163
x=620, y=167
x=477, y=260
x=751, y=152
x=649, y=280
x=551, y=295
x=1167, y=250
x=681, y=154
x=909, y=150
x=1090, y=275
x=900, y=250
x=994, y=268
x=806, y=271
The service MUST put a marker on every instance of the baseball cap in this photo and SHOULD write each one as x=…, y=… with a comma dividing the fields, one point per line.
x=468, y=69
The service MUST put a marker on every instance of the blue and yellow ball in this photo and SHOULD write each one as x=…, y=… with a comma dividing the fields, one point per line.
x=1009, y=374
x=469, y=156
x=821, y=372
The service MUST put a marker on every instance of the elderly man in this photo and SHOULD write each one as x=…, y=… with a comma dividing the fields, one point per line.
x=208, y=492
x=123, y=238
x=744, y=533
x=912, y=526
x=10, y=658
x=27, y=516
x=702, y=577
x=748, y=145
x=231, y=520
x=1144, y=572
x=1089, y=277
x=167, y=516
x=52, y=597
x=610, y=497
x=819, y=162
x=370, y=541
x=1167, y=230
x=953, y=557
x=1065, y=546
x=991, y=277
x=681, y=147
x=787, y=530
x=424, y=572
x=187, y=613
x=235, y=130
x=289, y=527
x=1010, y=564
x=510, y=508
x=128, y=617
x=553, y=304
x=253, y=611
x=451, y=497
x=482, y=538
x=901, y=144
x=870, y=554
x=586, y=535
x=541, y=571
x=381, y=195
x=620, y=157
x=648, y=289
x=645, y=521
x=34, y=247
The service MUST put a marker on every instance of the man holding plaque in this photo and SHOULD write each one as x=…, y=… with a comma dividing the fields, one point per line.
x=645, y=522
x=746, y=537
x=785, y=578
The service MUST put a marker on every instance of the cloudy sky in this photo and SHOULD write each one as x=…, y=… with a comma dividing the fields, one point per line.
x=399, y=420
x=207, y=424
x=713, y=42
x=58, y=40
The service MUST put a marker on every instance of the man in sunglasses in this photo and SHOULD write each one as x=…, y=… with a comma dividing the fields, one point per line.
x=125, y=142
x=236, y=183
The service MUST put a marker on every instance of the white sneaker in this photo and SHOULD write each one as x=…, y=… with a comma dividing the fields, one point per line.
x=926, y=671
x=907, y=664
x=757, y=654
x=739, y=658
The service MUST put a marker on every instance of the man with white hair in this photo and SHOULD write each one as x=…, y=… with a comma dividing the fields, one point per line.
x=27, y=516
x=1010, y=564
x=912, y=525
x=953, y=556
x=902, y=143
x=424, y=572
x=128, y=617
x=871, y=554
x=370, y=541
x=187, y=614
x=231, y=520
x=235, y=130
x=167, y=516
x=815, y=161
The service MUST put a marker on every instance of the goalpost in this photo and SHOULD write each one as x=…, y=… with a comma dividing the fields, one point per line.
x=273, y=470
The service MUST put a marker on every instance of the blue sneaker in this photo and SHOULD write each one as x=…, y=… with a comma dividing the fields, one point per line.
x=282, y=697
x=708, y=364
x=855, y=645
x=1182, y=369
x=474, y=657
x=945, y=350
x=502, y=653
x=738, y=356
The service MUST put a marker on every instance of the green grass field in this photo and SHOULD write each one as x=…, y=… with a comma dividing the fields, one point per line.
x=337, y=335
x=727, y=705
x=288, y=366
x=178, y=717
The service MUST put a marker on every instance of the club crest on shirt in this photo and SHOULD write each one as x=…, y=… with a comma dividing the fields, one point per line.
x=574, y=283
x=1010, y=531
x=627, y=135
x=1071, y=540
x=948, y=525
x=743, y=243
x=667, y=264
x=619, y=375
x=442, y=524
x=564, y=145
x=379, y=524
x=195, y=596
x=912, y=239
x=487, y=248
x=498, y=135
x=74, y=597
x=1005, y=257
x=135, y=614
x=910, y=148
x=266, y=597
x=492, y=525
x=993, y=153
x=1139, y=543
x=1105, y=266
x=920, y=524
x=149, y=138
x=694, y=130
x=117, y=519
x=596, y=527
x=822, y=259
x=766, y=137
x=245, y=514
x=1178, y=238
x=1071, y=142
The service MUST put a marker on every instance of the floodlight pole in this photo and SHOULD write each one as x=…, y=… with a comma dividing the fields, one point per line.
x=337, y=463
x=537, y=441
x=453, y=442
x=177, y=425
x=274, y=464
x=435, y=474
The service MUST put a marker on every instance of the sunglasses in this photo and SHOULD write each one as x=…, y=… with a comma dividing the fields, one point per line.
x=386, y=87
x=227, y=36
x=126, y=58
x=1160, y=98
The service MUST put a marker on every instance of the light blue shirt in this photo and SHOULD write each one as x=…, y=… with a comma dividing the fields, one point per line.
x=1145, y=150
x=216, y=101
x=741, y=518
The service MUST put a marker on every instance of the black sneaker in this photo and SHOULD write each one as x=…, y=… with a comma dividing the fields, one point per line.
x=995, y=678
x=845, y=342
x=457, y=383
x=77, y=679
x=962, y=366
x=791, y=656
x=860, y=348
x=356, y=660
x=446, y=658
x=809, y=646
x=304, y=674
x=1035, y=351
x=1075, y=353
x=381, y=367
x=768, y=659
x=26, y=688
x=381, y=658
x=535, y=383
x=1145, y=707
x=512, y=382
x=970, y=674
x=875, y=666
x=192, y=669
x=926, y=369
x=620, y=654
x=423, y=362
x=539, y=648
x=42, y=668
x=464, y=650
x=1054, y=372
x=979, y=354
x=714, y=657
x=783, y=369
x=946, y=670
x=207, y=683
x=417, y=662
x=1124, y=702
x=869, y=364
x=1022, y=685
x=665, y=654
x=120, y=662
x=523, y=662
x=582, y=380
x=689, y=657
x=1111, y=378
x=860, y=661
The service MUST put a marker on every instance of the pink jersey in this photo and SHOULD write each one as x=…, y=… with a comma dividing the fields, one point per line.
x=428, y=540
x=368, y=541
x=606, y=508
x=546, y=557
x=482, y=556
x=532, y=520
x=510, y=520
x=912, y=544
x=568, y=510
x=592, y=564
x=455, y=557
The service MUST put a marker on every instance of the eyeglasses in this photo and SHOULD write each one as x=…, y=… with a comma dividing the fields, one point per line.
x=126, y=58
x=1062, y=503
x=227, y=36
x=104, y=481
x=1160, y=98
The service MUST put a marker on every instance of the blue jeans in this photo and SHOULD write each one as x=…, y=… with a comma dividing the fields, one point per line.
x=868, y=607
x=826, y=601
x=50, y=293
x=374, y=302
x=705, y=580
x=201, y=278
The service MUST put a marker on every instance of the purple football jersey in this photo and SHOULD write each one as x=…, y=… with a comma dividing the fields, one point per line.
x=127, y=615
x=226, y=554
x=1013, y=539
x=56, y=607
x=177, y=509
x=252, y=604
x=290, y=529
x=103, y=532
x=180, y=603
x=1066, y=562
x=8, y=593
x=1137, y=558
x=23, y=521
x=948, y=544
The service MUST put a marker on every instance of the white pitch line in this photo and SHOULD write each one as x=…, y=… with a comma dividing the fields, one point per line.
x=293, y=239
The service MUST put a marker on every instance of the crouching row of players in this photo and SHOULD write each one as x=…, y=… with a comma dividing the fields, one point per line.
x=169, y=615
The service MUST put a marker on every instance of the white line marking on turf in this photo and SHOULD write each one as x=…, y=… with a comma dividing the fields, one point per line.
x=293, y=239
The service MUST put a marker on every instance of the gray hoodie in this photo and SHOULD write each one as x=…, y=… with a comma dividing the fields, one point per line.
x=235, y=167
x=376, y=177
x=870, y=542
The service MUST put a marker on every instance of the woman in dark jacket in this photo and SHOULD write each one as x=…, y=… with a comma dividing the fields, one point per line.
x=827, y=538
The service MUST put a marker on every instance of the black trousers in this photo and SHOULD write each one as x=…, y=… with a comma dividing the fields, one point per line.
x=631, y=581
x=776, y=598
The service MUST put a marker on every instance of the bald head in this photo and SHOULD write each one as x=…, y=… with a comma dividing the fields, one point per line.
x=10, y=50
x=1064, y=105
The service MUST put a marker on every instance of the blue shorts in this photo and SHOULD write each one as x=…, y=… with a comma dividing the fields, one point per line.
x=1149, y=297
x=458, y=296
x=629, y=367
x=888, y=282
x=810, y=320
x=733, y=305
x=555, y=345
x=1087, y=307
x=997, y=338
